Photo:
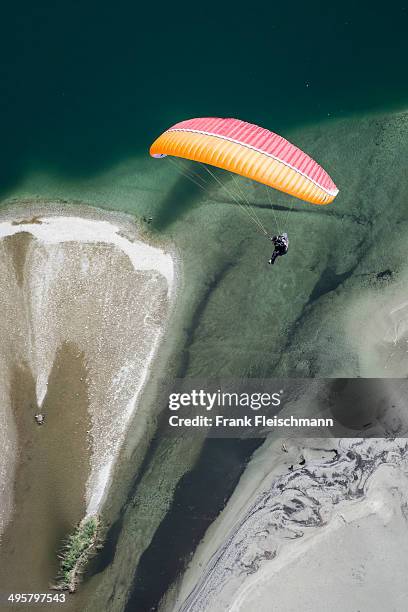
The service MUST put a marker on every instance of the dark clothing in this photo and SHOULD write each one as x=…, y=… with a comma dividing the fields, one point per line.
x=281, y=244
x=274, y=256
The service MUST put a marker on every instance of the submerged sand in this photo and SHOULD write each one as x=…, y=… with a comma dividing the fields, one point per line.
x=330, y=534
x=85, y=306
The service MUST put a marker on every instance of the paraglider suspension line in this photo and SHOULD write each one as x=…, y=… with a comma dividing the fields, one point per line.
x=189, y=174
x=273, y=210
x=246, y=209
x=250, y=208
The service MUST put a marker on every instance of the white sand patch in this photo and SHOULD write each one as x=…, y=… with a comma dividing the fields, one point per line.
x=272, y=550
x=85, y=284
x=359, y=561
x=377, y=325
x=55, y=230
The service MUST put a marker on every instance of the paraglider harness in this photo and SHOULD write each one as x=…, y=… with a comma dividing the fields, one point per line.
x=281, y=244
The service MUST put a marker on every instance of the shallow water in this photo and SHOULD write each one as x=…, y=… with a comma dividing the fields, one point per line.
x=48, y=500
x=239, y=317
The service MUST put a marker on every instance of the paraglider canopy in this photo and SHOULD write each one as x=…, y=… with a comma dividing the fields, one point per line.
x=250, y=151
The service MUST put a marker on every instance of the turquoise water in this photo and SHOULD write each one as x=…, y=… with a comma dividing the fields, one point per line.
x=87, y=85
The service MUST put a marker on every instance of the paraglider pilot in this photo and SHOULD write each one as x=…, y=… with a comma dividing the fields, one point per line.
x=281, y=244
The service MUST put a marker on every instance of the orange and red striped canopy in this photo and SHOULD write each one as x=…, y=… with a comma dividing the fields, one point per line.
x=251, y=151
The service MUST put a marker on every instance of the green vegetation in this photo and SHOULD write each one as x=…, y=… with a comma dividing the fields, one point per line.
x=79, y=547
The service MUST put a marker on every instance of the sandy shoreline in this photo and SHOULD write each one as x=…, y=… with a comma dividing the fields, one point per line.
x=292, y=525
x=65, y=261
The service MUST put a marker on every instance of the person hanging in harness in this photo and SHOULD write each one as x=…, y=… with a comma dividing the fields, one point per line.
x=281, y=244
